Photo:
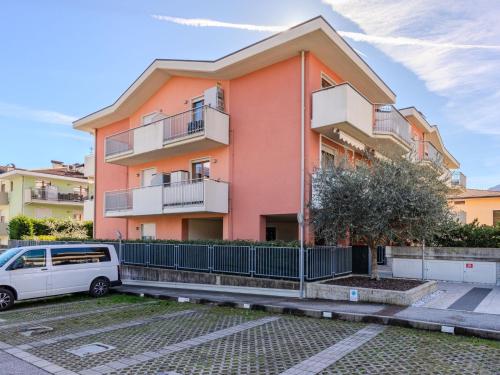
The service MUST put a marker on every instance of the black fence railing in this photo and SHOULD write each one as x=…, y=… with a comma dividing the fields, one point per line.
x=321, y=262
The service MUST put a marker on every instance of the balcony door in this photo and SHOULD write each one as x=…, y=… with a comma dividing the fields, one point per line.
x=147, y=176
x=200, y=170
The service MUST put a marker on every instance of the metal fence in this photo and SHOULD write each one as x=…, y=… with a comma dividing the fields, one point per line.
x=389, y=120
x=256, y=261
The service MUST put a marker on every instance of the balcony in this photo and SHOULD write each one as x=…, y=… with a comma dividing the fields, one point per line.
x=194, y=130
x=89, y=166
x=4, y=198
x=458, y=180
x=174, y=198
x=88, y=210
x=427, y=153
x=391, y=131
x=53, y=196
x=342, y=107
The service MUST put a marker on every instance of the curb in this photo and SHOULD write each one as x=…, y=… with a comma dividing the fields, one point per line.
x=351, y=317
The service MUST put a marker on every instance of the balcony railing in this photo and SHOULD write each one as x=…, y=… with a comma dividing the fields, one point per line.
x=389, y=120
x=118, y=200
x=458, y=179
x=55, y=195
x=184, y=124
x=205, y=126
x=203, y=195
x=120, y=143
x=425, y=151
x=186, y=193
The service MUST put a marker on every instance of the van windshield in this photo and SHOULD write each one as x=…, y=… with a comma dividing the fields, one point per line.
x=8, y=254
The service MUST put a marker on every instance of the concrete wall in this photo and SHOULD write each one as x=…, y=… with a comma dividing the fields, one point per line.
x=476, y=265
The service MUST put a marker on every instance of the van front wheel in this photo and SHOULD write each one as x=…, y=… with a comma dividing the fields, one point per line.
x=99, y=287
x=6, y=299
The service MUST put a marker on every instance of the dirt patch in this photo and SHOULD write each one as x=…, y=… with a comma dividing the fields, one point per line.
x=366, y=282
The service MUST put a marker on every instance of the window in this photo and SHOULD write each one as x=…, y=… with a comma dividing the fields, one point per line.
x=30, y=259
x=496, y=217
x=271, y=234
x=2, y=188
x=197, y=106
x=327, y=160
x=200, y=170
x=148, y=231
x=79, y=255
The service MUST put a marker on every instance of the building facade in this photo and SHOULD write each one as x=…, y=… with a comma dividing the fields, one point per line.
x=226, y=149
x=475, y=204
x=60, y=192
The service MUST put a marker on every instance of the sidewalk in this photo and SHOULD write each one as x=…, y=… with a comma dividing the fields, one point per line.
x=463, y=322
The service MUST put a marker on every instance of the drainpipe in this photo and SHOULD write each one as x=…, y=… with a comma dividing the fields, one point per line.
x=302, y=170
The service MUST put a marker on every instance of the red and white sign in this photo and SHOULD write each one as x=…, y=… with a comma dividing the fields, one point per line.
x=469, y=265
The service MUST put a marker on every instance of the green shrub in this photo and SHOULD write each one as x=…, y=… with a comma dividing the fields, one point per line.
x=454, y=234
x=20, y=226
x=23, y=227
x=41, y=227
x=89, y=227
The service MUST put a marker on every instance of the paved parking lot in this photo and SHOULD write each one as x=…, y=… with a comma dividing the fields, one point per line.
x=132, y=335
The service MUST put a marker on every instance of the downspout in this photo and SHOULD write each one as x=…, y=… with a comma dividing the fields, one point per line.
x=302, y=171
x=95, y=185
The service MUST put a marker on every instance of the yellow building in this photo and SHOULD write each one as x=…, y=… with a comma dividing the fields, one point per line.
x=483, y=205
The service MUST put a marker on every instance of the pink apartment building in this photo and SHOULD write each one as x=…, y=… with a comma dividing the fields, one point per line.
x=213, y=149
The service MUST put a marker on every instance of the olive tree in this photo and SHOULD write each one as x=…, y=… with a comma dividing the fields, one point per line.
x=378, y=202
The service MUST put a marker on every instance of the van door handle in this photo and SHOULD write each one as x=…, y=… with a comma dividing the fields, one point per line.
x=43, y=269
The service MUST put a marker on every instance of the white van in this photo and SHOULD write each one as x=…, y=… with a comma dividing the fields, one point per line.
x=49, y=270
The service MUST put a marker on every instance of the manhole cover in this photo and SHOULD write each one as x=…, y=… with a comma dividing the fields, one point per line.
x=33, y=331
x=90, y=349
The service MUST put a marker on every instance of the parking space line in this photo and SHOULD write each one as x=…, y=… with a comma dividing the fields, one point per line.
x=329, y=356
x=74, y=315
x=169, y=349
x=95, y=331
x=41, y=363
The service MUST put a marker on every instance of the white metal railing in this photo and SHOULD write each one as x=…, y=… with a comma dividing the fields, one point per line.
x=119, y=143
x=425, y=151
x=186, y=193
x=458, y=179
x=185, y=123
x=389, y=120
x=180, y=125
x=177, y=194
x=118, y=200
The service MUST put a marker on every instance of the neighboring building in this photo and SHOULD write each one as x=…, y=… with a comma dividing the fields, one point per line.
x=483, y=205
x=197, y=149
x=59, y=191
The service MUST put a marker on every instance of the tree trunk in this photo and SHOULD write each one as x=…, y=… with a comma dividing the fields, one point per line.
x=374, y=266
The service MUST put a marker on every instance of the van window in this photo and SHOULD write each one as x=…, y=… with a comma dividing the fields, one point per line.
x=30, y=259
x=79, y=255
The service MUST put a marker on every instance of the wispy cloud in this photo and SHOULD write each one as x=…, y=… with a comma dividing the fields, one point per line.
x=203, y=22
x=36, y=115
x=76, y=137
x=452, y=46
x=359, y=37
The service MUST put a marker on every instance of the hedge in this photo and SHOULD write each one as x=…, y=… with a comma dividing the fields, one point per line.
x=473, y=234
x=24, y=227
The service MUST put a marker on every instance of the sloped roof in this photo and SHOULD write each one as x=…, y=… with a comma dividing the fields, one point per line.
x=476, y=193
x=315, y=35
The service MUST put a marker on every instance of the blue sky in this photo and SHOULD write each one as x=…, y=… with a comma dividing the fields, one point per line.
x=64, y=59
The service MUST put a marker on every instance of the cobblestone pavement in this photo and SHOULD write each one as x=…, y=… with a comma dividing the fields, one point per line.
x=150, y=336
